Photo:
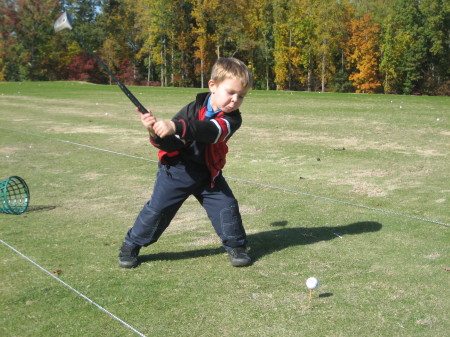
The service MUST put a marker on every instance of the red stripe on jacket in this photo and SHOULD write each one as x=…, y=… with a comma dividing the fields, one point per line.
x=215, y=154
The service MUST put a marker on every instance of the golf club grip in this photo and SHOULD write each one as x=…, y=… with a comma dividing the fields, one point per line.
x=122, y=86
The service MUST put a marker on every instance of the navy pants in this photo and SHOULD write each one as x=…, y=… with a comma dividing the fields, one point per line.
x=174, y=184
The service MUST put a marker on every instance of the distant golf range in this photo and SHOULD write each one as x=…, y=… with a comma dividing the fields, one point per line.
x=350, y=190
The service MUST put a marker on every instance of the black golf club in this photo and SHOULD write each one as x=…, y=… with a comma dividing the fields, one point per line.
x=65, y=21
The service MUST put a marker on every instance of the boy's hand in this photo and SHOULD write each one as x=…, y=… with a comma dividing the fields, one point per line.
x=148, y=120
x=164, y=128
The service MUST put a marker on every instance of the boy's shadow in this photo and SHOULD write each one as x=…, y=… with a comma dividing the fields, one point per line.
x=265, y=243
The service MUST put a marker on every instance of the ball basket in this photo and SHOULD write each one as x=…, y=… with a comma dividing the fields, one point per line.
x=14, y=195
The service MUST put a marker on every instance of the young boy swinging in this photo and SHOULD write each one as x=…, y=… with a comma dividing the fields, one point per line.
x=192, y=152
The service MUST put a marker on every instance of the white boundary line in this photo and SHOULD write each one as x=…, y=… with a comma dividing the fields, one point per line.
x=343, y=202
x=245, y=181
x=73, y=289
x=232, y=178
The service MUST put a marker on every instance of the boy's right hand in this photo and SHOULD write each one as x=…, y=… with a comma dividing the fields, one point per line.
x=148, y=120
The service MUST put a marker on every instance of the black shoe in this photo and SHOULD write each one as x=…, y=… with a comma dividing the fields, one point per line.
x=128, y=256
x=239, y=257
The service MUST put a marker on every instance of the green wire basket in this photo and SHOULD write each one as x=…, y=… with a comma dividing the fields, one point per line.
x=15, y=195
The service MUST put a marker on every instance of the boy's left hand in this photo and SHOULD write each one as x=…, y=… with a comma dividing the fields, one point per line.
x=148, y=120
x=164, y=128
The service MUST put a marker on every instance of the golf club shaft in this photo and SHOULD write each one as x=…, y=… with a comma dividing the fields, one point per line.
x=122, y=86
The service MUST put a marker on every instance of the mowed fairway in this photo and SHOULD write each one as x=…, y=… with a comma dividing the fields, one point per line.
x=351, y=189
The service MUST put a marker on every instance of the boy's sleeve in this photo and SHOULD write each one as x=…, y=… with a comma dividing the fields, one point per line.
x=211, y=131
x=175, y=142
x=168, y=144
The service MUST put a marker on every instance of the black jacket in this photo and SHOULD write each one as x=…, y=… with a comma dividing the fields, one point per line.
x=198, y=138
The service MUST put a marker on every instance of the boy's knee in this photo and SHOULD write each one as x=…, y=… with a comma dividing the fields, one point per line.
x=149, y=226
x=231, y=222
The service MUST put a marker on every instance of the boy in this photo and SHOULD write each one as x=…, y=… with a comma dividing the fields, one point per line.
x=192, y=149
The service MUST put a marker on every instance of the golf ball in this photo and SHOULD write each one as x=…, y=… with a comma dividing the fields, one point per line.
x=312, y=283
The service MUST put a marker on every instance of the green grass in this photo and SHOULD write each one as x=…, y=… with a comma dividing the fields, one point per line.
x=385, y=277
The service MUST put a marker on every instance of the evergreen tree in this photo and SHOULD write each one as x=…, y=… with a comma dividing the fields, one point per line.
x=405, y=47
x=436, y=24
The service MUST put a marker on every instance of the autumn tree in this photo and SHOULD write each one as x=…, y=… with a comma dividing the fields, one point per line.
x=282, y=34
x=74, y=62
x=10, y=69
x=259, y=30
x=27, y=32
x=181, y=43
x=147, y=31
x=162, y=18
x=363, y=54
x=120, y=46
x=303, y=47
x=206, y=15
x=329, y=28
x=288, y=44
x=308, y=38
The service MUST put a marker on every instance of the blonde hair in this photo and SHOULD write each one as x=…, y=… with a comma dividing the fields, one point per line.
x=230, y=67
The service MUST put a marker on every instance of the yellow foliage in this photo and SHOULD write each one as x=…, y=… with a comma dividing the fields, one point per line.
x=363, y=54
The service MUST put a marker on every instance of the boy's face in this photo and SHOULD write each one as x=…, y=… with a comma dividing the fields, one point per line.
x=227, y=95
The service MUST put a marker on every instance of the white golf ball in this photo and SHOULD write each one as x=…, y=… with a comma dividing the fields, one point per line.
x=312, y=283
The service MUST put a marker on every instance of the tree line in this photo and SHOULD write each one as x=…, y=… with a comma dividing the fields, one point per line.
x=367, y=46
